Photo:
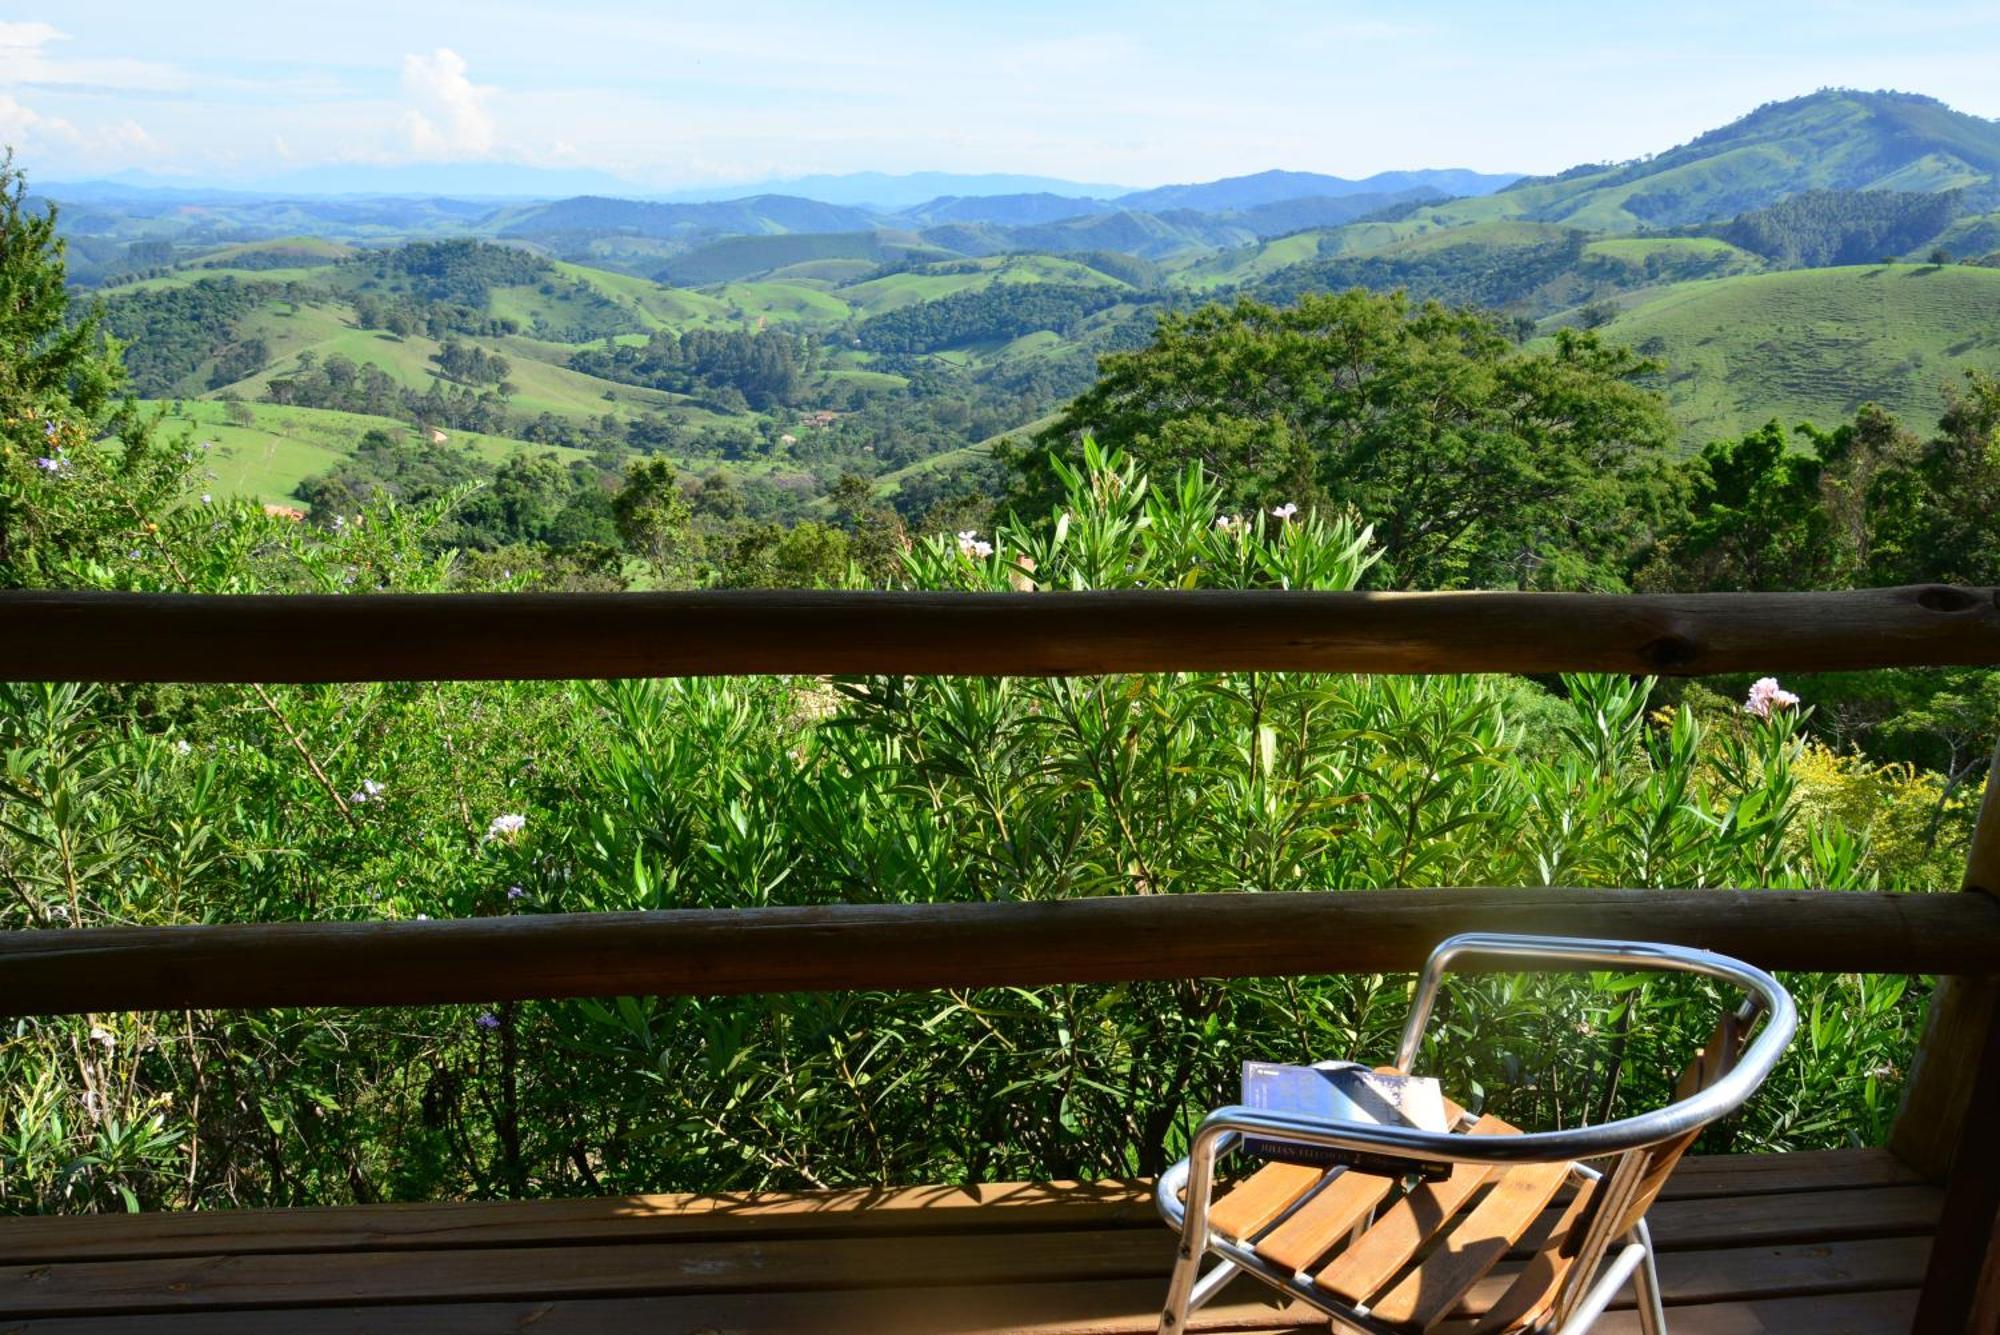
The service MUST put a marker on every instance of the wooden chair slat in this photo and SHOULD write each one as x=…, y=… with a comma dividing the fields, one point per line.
x=1262, y=1197
x=1474, y=1246
x=1322, y=1222
x=1393, y=1239
x=1536, y=1287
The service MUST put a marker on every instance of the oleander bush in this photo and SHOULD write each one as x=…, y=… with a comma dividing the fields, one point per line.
x=174, y=804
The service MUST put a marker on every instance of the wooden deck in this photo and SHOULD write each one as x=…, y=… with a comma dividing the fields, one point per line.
x=1833, y=1243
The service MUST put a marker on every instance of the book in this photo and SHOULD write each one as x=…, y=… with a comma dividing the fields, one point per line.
x=1343, y=1092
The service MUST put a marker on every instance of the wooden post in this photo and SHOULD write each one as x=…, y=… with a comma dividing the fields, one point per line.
x=1946, y=1128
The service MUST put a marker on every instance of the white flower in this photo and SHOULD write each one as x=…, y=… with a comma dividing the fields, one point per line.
x=1229, y=523
x=505, y=827
x=206, y=498
x=1285, y=511
x=100, y=1035
x=1766, y=695
x=370, y=791
x=969, y=544
x=182, y=746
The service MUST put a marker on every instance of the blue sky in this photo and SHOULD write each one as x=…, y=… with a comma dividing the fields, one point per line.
x=667, y=94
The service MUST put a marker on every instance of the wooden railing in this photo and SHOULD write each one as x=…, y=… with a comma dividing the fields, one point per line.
x=100, y=637
x=117, y=637
x=854, y=947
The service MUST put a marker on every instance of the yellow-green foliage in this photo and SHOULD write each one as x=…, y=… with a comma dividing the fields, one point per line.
x=1902, y=812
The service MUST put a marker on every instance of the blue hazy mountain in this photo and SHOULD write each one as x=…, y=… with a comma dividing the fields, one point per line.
x=883, y=191
x=1248, y=192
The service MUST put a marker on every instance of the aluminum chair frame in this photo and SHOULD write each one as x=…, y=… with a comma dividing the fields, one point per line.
x=1185, y=1191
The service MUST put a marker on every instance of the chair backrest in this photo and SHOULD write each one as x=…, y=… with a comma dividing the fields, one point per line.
x=1561, y=1272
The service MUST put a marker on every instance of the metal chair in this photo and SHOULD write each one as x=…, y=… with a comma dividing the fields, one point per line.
x=1343, y=1240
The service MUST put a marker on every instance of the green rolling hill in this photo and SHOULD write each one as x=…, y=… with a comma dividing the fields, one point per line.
x=910, y=340
x=1815, y=344
x=1838, y=139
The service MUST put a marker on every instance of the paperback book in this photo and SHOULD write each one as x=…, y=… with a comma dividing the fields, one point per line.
x=1342, y=1092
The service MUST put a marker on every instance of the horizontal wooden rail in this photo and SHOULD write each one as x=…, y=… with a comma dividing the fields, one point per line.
x=861, y=947
x=122, y=637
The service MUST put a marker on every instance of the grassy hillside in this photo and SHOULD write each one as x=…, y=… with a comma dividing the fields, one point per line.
x=1838, y=139
x=1815, y=344
x=267, y=459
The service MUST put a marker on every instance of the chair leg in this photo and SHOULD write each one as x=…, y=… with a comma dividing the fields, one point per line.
x=1180, y=1289
x=1646, y=1285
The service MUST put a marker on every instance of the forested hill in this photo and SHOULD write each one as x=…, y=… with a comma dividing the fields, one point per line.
x=1815, y=254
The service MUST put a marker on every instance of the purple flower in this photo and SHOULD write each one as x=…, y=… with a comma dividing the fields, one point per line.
x=516, y=892
x=49, y=430
x=1766, y=695
x=49, y=465
x=487, y=1020
x=369, y=791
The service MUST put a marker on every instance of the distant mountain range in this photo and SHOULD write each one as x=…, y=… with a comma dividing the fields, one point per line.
x=873, y=191
x=1942, y=164
x=1244, y=192
x=878, y=190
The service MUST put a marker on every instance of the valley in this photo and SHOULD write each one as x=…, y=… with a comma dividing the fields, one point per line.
x=1817, y=254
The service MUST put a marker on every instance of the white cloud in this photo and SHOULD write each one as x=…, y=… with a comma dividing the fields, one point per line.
x=25, y=60
x=22, y=43
x=451, y=118
x=17, y=121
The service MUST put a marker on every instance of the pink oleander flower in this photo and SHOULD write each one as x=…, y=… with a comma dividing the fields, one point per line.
x=1766, y=695
x=1285, y=511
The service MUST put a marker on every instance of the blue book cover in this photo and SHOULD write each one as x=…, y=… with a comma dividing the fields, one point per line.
x=1341, y=1092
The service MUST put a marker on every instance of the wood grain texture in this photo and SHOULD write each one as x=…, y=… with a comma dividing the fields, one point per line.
x=1945, y=1124
x=1937, y=1098
x=89, y=636
x=1118, y=1308
x=1324, y=1221
x=932, y=1259
x=1399, y=1231
x=1835, y=1187
x=425, y=1225
x=862, y=946
x=1472, y=1247
x=1262, y=1197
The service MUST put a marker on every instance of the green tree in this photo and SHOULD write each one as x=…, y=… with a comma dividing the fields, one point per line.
x=60, y=383
x=47, y=362
x=655, y=523
x=1479, y=463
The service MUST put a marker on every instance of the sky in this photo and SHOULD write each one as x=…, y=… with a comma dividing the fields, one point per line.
x=668, y=95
